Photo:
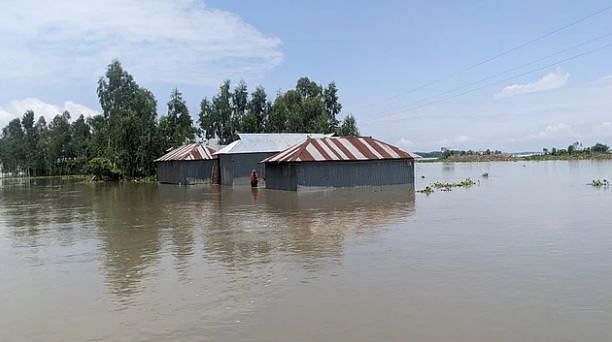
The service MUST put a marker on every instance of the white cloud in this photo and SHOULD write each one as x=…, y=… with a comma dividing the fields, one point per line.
x=526, y=123
x=604, y=130
x=76, y=109
x=462, y=138
x=560, y=130
x=554, y=80
x=176, y=41
x=16, y=108
x=403, y=142
x=456, y=142
x=5, y=117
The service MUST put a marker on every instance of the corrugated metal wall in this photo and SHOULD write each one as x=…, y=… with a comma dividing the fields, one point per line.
x=185, y=171
x=281, y=176
x=340, y=174
x=236, y=167
x=225, y=168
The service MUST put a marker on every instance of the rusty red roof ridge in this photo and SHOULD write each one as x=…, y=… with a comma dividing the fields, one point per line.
x=302, y=148
x=189, y=152
x=340, y=148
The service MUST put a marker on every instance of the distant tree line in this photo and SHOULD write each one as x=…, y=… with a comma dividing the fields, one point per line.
x=577, y=148
x=127, y=136
x=446, y=153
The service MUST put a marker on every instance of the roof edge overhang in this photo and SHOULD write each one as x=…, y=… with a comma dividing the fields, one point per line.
x=331, y=161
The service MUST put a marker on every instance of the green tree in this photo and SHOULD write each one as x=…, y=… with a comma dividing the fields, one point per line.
x=99, y=135
x=129, y=113
x=308, y=88
x=176, y=128
x=313, y=115
x=349, y=126
x=29, y=142
x=222, y=112
x=308, y=108
x=101, y=168
x=573, y=147
x=42, y=143
x=310, y=111
x=60, y=149
x=147, y=148
x=600, y=148
x=446, y=153
x=81, y=143
x=207, y=120
x=278, y=117
x=240, y=98
x=12, y=150
x=333, y=107
x=81, y=136
x=216, y=117
x=258, y=109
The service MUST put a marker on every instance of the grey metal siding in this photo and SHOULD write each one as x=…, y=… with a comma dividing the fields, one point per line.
x=236, y=167
x=355, y=173
x=185, y=171
x=225, y=168
x=281, y=176
x=338, y=174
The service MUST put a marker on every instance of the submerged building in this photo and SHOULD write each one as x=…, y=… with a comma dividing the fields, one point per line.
x=238, y=159
x=188, y=164
x=336, y=162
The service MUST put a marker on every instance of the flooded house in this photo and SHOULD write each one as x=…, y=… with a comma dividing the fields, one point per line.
x=338, y=162
x=188, y=164
x=238, y=159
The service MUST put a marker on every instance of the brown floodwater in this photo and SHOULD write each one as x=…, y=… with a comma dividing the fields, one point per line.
x=524, y=255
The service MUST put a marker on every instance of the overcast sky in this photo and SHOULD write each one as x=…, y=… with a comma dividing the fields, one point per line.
x=510, y=75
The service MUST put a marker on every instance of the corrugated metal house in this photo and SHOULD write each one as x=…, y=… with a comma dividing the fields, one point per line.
x=238, y=159
x=339, y=162
x=188, y=164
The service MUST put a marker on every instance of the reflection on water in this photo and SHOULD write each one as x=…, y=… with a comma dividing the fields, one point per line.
x=134, y=225
x=121, y=262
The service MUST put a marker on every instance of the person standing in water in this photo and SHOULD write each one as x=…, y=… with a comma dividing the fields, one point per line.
x=253, y=178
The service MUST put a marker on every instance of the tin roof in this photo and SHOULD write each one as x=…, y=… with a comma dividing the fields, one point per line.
x=266, y=142
x=189, y=152
x=339, y=148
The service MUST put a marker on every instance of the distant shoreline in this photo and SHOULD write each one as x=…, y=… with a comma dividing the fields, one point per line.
x=80, y=178
x=507, y=157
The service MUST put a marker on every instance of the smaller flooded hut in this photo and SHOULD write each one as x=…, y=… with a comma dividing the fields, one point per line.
x=188, y=164
x=337, y=162
x=238, y=159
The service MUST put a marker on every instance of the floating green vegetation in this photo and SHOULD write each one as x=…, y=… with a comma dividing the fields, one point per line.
x=600, y=183
x=468, y=182
x=428, y=190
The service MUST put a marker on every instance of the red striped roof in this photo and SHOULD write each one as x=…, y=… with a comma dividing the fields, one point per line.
x=339, y=148
x=189, y=152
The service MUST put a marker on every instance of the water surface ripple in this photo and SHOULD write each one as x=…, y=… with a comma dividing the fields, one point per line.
x=525, y=255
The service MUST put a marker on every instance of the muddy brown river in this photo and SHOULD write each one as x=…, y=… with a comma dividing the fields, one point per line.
x=524, y=255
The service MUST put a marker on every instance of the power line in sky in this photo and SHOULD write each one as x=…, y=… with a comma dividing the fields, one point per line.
x=492, y=76
x=399, y=114
x=494, y=57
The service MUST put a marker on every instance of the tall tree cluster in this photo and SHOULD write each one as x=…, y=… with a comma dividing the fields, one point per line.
x=309, y=108
x=37, y=148
x=127, y=136
x=176, y=127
